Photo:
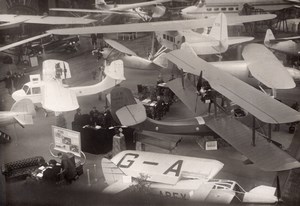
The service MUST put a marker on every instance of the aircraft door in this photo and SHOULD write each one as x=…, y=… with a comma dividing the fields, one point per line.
x=179, y=40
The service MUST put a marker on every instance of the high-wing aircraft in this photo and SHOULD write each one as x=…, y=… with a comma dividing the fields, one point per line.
x=288, y=45
x=175, y=176
x=210, y=8
x=53, y=95
x=256, y=68
x=13, y=20
x=219, y=42
x=21, y=112
x=135, y=10
x=129, y=111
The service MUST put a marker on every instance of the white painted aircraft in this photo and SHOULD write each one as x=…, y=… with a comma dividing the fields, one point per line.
x=135, y=10
x=21, y=112
x=287, y=45
x=53, y=95
x=210, y=8
x=13, y=20
x=256, y=68
x=175, y=176
x=217, y=43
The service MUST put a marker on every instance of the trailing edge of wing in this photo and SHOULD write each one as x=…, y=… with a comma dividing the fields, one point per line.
x=24, y=41
x=258, y=104
x=159, y=26
x=119, y=47
x=266, y=68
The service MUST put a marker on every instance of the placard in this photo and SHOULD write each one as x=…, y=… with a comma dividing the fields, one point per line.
x=66, y=140
x=211, y=145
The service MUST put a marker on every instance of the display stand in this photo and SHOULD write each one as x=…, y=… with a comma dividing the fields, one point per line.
x=82, y=157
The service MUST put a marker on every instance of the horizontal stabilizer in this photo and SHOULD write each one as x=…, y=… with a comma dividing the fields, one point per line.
x=115, y=70
x=131, y=115
x=239, y=40
x=119, y=47
x=262, y=106
x=24, y=111
x=265, y=155
x=266, y=68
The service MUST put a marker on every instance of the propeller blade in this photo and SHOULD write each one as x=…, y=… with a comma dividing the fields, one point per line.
x=199, y=84
x=278, y=190
x=182, y=78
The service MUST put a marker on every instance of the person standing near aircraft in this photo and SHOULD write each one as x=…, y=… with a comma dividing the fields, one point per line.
x=68, y=166
x=160, y=107
x=9, y=82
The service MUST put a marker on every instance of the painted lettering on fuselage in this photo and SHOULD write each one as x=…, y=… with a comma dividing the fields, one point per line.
x=173, y=194
x=128, y=159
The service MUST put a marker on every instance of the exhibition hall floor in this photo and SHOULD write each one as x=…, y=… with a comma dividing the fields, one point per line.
x=34, y=140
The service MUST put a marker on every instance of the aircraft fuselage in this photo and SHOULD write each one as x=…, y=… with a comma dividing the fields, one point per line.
x=288, y=47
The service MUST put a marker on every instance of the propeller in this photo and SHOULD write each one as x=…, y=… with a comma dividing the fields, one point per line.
x=278, y=189
x=199, y=86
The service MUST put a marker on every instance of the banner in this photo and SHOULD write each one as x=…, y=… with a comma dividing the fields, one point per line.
x=66, y=140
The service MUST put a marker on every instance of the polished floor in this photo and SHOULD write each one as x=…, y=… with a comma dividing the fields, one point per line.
x=35, y=139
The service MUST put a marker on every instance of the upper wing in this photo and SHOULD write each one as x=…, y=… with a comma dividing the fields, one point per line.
x=266, y=68
x=24, y=41
x=51, y=20
x=85, y=10
x=159, y=26
x=258, y=104
x=124, y=7
x=57, y=98
x=12, y=24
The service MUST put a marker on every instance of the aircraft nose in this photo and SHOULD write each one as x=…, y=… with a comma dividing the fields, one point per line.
x=18, y=95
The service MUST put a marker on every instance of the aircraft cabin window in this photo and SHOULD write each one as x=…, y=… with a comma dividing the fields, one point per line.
x=216, y=9
x=171, y=39
x=236, y=8
x=164, y=36
x=168, y=38
x=230, y=9
x=29, y=91
x=36, y=90
x=223, y=9
x=208, y=9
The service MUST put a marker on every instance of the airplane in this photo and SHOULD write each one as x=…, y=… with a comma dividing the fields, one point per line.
x=176, y=176
x=53, y=95
x=287, y=45
x=127, y=111
x=135, y=10
x=13, y=20
x=254, y=69
x=208, y=9
x=163, y=26
x=21, y=112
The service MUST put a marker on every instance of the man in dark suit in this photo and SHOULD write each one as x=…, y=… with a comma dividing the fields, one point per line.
x=51, y=174
x=68, y=165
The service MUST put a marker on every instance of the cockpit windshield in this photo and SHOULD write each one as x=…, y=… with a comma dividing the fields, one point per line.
x=199, y=3
x=26, y=89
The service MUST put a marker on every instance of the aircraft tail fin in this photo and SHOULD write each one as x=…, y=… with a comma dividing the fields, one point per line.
x=24, y=111
x=262, y=194
x=125, y=108
x=269, y=36
x=161, y=60
x=219, y=31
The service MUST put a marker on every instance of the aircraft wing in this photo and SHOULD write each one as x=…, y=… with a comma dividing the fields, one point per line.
x=116, y=45
x=159, y=26
x=11, y=24
x=24, y=41
x=255, y=102
x=57, y=98
x=116, y=187
x=125, y=7
x=264, y=155
x=85, y=10
x=266, y=68
x=51, y=20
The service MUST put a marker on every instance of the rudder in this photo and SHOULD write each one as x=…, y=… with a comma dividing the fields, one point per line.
x=219, y=30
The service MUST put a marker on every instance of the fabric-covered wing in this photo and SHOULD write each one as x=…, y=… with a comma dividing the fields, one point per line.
x=159, y=26
x=85, y=10
x=266, y=68
x=24, y=41
x=57, y=98
x=11, y=24
x=258, y=104
x=125, y=7
x=119, y=47
x=51, y=20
